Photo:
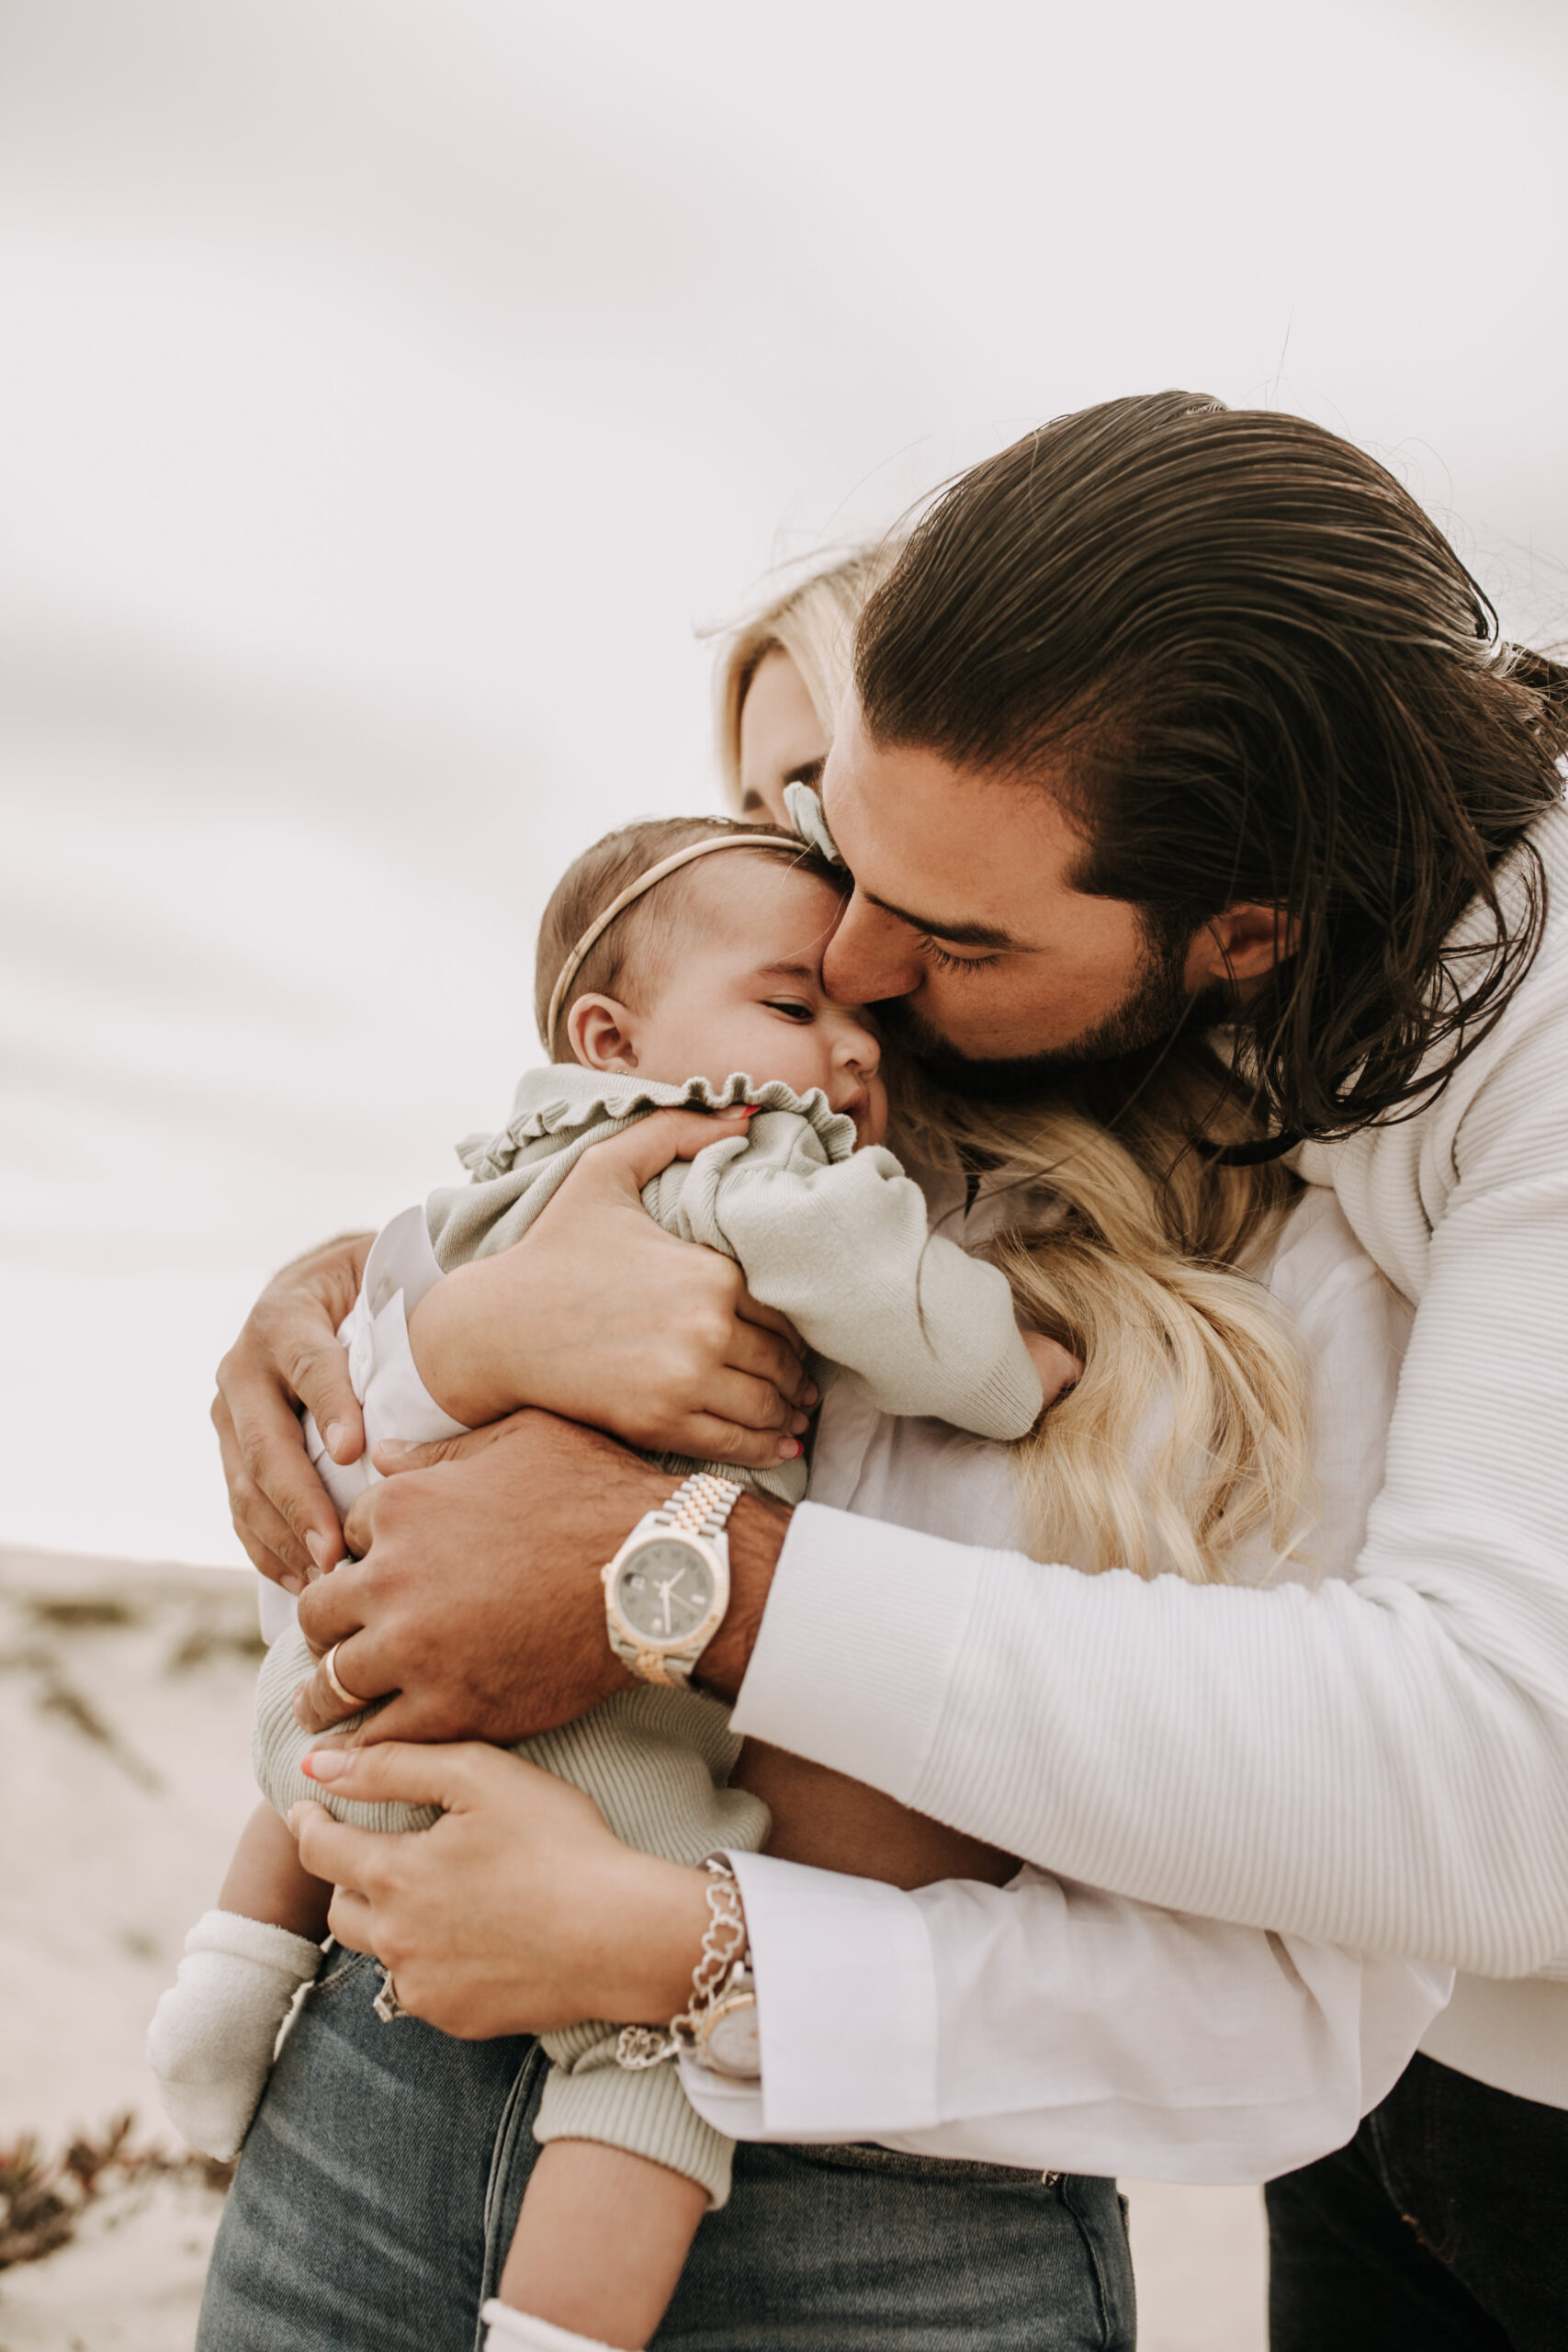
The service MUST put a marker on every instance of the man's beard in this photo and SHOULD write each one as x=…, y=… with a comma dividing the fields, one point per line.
x=1157, y=1007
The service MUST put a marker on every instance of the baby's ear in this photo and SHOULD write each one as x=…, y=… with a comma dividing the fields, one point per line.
x=599, y=1032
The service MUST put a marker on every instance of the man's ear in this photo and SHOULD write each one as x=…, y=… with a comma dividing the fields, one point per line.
x=1244, y=944
x=599, y=1032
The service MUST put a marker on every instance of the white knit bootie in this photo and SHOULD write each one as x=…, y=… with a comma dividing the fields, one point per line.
x=510, y=2331
x=212, y=2037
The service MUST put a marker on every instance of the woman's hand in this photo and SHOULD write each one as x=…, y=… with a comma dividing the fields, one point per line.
x=600, y=1315
x=288, y=1357
x=518, y=1912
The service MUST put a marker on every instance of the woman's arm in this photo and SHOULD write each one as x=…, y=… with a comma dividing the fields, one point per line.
x=1038, y=2024
x=1047, y=2023
x=517, y=1912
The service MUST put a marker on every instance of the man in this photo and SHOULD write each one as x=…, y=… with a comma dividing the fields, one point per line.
x=1165, y=714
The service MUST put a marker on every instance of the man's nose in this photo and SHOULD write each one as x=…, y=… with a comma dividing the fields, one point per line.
x=870, y=955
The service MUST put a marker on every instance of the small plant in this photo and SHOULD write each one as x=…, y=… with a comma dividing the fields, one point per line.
x=43, y=2197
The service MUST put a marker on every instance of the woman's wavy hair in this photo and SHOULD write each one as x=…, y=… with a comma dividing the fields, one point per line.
x=1265, y=676
x=1191, y=1429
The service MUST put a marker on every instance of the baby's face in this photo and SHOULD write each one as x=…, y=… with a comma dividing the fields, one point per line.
x=745, y=993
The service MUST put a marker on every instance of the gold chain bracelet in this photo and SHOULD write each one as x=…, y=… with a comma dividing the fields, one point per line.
x=724, y=1946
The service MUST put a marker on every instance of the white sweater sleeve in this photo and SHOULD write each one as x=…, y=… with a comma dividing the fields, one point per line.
x=1381, y=1763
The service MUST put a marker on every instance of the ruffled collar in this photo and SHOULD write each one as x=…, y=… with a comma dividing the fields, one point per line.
x=563, y=1098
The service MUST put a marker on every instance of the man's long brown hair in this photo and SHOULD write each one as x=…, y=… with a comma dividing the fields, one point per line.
x=1268, y=678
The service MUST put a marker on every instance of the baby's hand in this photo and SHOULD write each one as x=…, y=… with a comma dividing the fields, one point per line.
x=1058, y=1371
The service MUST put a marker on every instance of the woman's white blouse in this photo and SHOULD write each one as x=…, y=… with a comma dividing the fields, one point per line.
x=1045, y=2023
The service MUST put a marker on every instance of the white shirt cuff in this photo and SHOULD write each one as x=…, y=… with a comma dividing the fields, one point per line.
x=846, y=2010
x=858, y=1644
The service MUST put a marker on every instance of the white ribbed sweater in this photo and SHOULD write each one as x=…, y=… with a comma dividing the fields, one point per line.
x=1381, y=1763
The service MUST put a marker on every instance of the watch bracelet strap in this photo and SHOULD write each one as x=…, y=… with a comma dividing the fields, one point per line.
x=700, y=1505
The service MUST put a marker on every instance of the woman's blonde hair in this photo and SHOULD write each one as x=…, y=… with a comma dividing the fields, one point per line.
x=1189, y=1429
x=815, y=624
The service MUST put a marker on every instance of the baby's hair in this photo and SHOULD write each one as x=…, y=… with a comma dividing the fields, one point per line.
x=632, y=958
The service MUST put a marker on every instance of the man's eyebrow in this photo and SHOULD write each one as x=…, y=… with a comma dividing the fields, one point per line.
x=963, y=934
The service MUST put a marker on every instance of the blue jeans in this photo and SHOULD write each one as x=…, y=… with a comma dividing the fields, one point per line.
x=1438, y=2229
x=380, y=2189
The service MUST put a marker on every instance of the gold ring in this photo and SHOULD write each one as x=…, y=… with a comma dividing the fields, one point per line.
x=329, y=1668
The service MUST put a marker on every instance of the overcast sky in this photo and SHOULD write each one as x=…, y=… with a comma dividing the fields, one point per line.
x=392, y=394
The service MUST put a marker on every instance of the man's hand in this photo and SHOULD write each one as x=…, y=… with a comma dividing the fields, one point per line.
x=600, y=1315
x=518, y=1911
x=287, y=1356
x=477, y=1598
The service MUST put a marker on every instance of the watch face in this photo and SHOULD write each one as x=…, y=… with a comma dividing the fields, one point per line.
x=733, y=2045
x=665, y=1589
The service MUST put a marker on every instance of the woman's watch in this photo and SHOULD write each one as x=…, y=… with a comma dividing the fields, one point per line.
x=666, y=1589
x=724, y=2038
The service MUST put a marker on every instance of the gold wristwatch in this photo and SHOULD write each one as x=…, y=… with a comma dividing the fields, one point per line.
x=667, y=1589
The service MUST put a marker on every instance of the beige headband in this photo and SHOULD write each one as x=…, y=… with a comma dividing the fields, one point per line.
x=634, y=891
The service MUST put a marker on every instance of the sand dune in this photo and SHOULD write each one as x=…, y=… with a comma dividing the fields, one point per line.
x=124, y=1775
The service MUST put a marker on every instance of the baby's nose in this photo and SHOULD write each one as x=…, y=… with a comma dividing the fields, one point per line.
x=862, y=1052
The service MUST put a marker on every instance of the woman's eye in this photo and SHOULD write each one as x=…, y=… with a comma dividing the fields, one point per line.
x=792, y=1009
x=945, y=962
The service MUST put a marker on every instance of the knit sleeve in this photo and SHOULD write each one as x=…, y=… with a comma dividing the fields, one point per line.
x=842, y=1248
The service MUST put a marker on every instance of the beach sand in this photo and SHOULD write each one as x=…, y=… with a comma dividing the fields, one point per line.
x=125, y=1775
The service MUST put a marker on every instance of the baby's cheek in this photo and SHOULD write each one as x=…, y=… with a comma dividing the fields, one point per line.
x=802, y=1061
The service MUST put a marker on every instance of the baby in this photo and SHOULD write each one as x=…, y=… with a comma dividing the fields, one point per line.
x=668, y=975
